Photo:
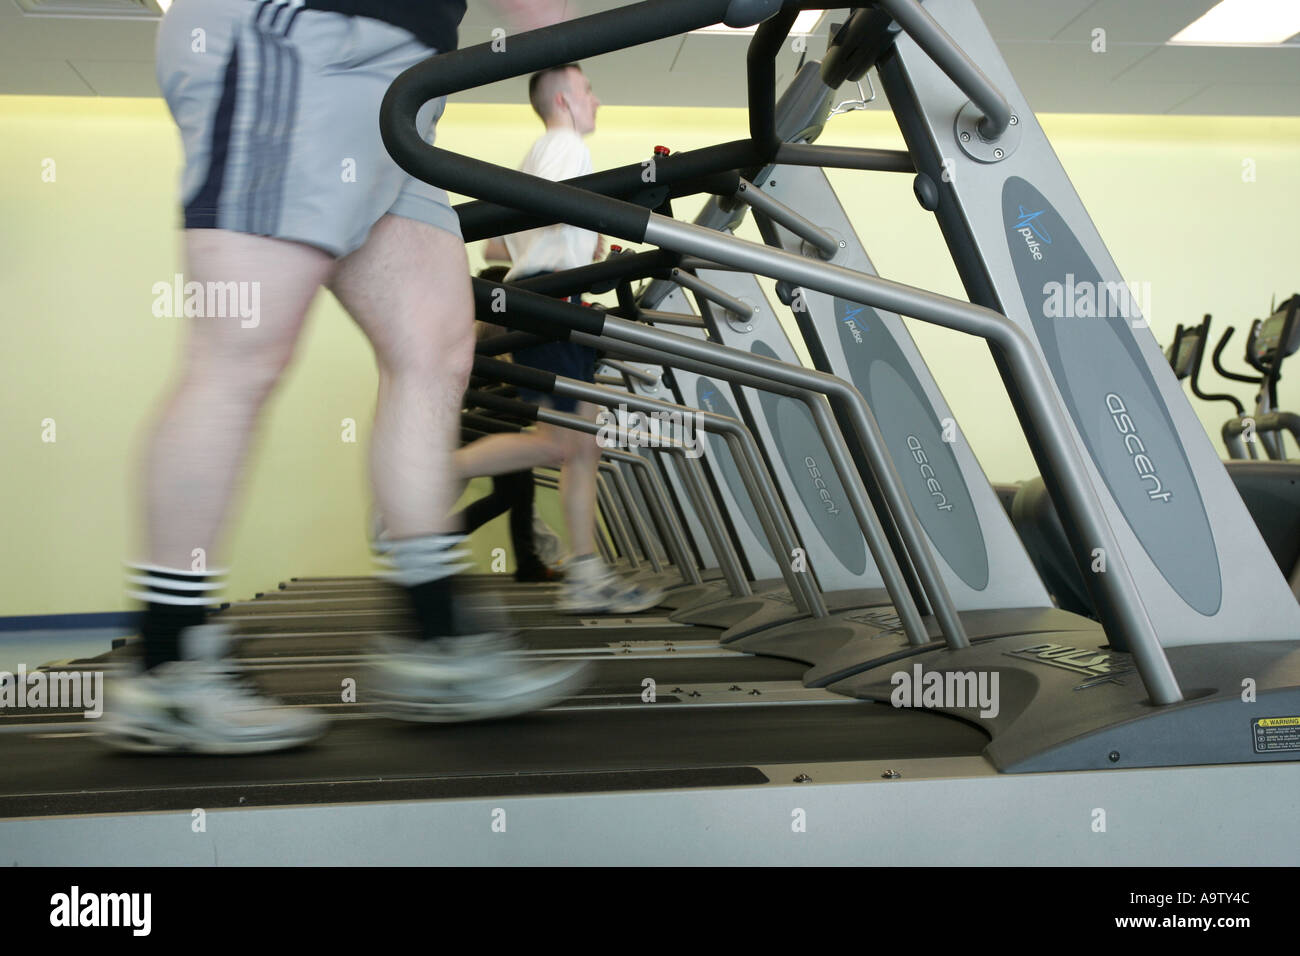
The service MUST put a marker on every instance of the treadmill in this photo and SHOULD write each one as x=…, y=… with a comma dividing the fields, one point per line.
x=1142, y=715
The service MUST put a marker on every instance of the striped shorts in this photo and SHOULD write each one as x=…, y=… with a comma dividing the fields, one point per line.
x=278, y=109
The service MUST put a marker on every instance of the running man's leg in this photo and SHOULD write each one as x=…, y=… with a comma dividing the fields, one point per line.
x=192, y=462
x=519, y=488
x=503, y=453
x=197, y=448
x=578, y=483
x=492, y=505
x=408, y=289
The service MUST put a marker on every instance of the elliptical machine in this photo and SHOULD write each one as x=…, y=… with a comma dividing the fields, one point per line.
x=1185, y=355
x=1269, y=342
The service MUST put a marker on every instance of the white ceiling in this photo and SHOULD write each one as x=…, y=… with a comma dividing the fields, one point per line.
x=1046, y=42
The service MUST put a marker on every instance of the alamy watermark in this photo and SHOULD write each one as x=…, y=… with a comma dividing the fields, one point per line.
x=209, y=300
x=950, y=689
x=1074, y=299
x=78, y=909
x=627, y=428
x=60, y=690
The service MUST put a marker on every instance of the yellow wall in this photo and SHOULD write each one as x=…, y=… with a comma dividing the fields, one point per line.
x=79, y=256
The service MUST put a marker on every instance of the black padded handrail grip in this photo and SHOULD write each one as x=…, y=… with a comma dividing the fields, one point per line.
x=684, y=173
x=525, y=311
x=845, y=157
x=499, y=403
x=501, y=344
x=760, y=67
x=607, y=272
x=488, y=425
x=525, y=53
x=856, y=47
x=521, y=375
x=725, y=184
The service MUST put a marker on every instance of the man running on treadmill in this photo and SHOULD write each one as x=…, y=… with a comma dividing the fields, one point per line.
x=514, y=492
x=562, y=98
x=287, y=186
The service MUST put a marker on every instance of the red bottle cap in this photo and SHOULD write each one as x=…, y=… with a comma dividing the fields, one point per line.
x=615, y=248
x=662, y=150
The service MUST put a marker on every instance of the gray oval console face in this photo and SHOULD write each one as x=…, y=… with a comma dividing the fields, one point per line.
x=710, y=397
x=1082, y=328
x=807, y=461
x=915, y=439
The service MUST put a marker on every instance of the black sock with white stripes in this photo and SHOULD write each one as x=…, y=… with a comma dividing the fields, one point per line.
x=426, y=567
x=173, y=600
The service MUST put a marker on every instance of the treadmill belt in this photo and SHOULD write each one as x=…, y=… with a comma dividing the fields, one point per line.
x=553, y=751
x=362, y=622
x=319, y=685
x=352, y=643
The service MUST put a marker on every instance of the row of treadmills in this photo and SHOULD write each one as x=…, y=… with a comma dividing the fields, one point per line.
x=858, y=660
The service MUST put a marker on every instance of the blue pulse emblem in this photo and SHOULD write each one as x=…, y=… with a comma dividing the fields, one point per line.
x=1028, y=220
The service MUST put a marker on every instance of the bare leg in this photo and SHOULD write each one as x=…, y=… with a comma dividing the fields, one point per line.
x=198, y=446
x=578, y=484
x=501, y=454
x=408, y=289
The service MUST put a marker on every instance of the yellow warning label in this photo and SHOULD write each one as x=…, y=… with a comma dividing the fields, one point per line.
x=1274, y=734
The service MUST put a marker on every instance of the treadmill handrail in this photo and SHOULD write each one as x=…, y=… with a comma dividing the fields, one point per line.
x=566, y=42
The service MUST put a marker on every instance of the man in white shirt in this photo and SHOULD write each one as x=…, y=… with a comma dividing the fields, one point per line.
x=562, y=97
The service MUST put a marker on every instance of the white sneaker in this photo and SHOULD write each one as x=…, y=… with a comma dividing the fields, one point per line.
x=590, y=587
x=202, y=704
x=478, y=677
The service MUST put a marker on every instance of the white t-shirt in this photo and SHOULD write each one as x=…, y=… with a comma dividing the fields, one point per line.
x=559, y=154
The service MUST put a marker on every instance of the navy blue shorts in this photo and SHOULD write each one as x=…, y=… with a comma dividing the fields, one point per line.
x=565, y=359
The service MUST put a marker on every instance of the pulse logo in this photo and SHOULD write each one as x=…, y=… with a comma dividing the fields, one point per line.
x=848, y=319
x=706, y=399
x=1098, y=667
x=1034, y=234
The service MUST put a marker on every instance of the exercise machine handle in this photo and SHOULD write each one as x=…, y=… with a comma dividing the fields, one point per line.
x=1196, y=369
x=1217, y=361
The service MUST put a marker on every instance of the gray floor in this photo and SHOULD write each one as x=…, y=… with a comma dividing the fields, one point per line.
x=34, y=648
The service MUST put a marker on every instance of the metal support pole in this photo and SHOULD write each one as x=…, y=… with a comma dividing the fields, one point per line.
x=779, y=212
x=615, y=520
x=635, y=523
x=952, y=59
x=670, y=529
x=706, y=290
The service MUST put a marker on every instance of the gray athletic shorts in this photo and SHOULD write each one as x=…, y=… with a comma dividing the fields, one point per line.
x=278, y=109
